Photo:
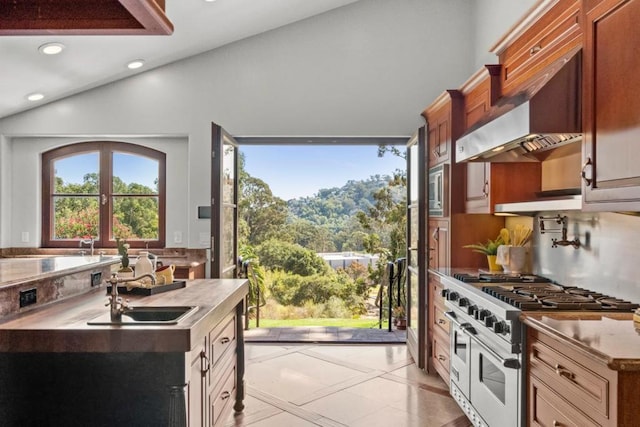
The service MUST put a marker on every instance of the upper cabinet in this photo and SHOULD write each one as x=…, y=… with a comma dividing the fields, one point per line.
x=441, y=127
x=553, y=32
x=611, y=106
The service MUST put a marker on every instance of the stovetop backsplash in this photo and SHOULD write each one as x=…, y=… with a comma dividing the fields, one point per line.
x=608, y=260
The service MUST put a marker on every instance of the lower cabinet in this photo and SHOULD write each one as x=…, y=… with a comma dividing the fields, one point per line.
x=567, y=387
x=214, y=374
x=438, y=330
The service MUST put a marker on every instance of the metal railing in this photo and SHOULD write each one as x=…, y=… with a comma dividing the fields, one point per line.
x=254, y=299
x=392, y=292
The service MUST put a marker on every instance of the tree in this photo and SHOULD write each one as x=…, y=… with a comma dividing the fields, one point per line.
x=291, y=258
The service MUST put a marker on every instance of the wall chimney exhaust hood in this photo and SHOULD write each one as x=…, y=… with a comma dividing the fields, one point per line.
x=523, y=127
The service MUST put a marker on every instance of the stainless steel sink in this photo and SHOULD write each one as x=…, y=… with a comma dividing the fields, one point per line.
x=147, y=315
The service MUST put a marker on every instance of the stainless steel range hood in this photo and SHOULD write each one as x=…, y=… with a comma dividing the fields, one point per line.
x=523, y=127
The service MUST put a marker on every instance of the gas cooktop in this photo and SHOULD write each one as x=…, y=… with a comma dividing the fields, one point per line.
x=552, y=296
x=499, y=278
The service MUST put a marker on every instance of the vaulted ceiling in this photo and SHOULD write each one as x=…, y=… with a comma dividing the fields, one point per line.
x=88, y=61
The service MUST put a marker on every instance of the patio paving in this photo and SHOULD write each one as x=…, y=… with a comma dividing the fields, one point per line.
x=325, y=334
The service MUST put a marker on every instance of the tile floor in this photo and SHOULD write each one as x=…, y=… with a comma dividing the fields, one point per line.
x=341, y=385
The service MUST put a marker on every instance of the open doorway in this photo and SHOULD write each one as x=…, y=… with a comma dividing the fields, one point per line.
x=321, y=226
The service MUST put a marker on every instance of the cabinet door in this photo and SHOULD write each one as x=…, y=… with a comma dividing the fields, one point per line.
x=611, y=101
x=477, y=194
x=438, y=249
x=439, y=138
x=197, y=373
x=552, y=36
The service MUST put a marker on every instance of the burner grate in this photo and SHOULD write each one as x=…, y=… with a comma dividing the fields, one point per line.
x=551, y=296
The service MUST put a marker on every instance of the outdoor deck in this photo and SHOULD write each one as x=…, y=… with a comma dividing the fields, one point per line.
x=324, y=334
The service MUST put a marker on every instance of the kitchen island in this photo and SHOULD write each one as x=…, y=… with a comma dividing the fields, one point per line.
x=56, y=369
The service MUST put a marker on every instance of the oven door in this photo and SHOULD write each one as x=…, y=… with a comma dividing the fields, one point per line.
x=495, y=385
x=460, y=356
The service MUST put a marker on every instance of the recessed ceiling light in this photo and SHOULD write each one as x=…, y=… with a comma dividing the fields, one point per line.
x=209, y=1
x=35, y=97
x=135, y=64
x=51, y=48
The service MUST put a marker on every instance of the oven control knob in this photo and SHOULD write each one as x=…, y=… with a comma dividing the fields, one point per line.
x=500, y=327
x=482, y=314
x=444, y=293
x=463, y=302
x=472, y=310
x=489, y=321
x=452, y=296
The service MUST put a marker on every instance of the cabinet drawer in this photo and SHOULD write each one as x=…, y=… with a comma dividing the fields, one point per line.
x=222, y=338
x=546, y=408
x=439, y=320
x=576, y=383
x=554, y=35
x=436, y=292
x=222, y=398
x=440, y=354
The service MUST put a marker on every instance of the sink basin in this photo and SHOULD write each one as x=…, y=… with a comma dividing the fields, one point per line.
x=147, y=315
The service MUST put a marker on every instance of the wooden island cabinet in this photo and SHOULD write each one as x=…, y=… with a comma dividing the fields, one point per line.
x=56, y=369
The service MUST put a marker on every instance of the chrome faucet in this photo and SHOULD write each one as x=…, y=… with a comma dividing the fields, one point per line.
x=117, y=306
x=88, y=241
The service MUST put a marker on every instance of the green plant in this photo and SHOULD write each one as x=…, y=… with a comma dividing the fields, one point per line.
x=488, y=248
x=398, y=312
x=123, y=251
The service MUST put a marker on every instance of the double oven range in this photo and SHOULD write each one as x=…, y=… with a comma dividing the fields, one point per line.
x=488, y=340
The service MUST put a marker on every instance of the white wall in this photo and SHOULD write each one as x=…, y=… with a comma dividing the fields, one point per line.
x=368, y=68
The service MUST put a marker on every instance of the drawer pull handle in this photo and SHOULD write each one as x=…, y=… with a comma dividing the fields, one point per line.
x=441, y=321
x=441, y=358
x=204, y=358
x=224, y=340
x=557, y=423
x=535, y=50
x=225, y=395
x=564, y=372
x=485, y=189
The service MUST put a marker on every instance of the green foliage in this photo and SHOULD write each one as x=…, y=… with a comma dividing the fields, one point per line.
x=256, y=275
x=292, y=289
x=488, y=248
x=291, y=258
x=77, y=215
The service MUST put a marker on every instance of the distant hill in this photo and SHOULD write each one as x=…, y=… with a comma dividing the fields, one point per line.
x=334, y=206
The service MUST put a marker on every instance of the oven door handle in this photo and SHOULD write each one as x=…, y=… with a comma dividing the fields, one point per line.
x=507, y=363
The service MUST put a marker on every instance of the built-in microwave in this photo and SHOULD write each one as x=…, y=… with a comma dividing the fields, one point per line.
x=437, y=191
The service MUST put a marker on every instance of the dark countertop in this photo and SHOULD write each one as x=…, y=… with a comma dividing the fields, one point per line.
x=62, y=326
x=610, y=338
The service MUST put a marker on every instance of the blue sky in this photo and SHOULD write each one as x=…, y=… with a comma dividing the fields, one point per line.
x=299, y=171
x=127, y=167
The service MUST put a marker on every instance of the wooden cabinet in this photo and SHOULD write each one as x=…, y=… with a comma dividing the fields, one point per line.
x=548, y=34
x=443, y=126
x=438, y=246
x=568, y=387
x=438, y=330
x=611, y=101
x=190, y=272
x=213, y=372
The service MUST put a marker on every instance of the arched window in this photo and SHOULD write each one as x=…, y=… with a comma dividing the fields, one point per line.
x=103, y=190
